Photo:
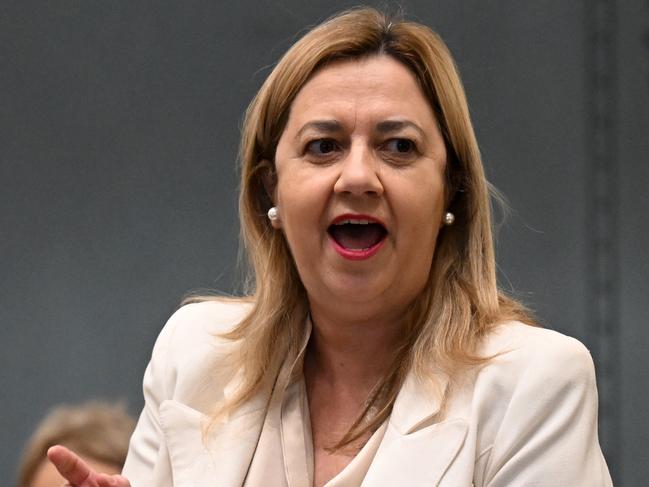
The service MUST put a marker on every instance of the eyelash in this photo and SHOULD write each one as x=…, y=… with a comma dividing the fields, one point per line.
x=309, y=148
x=413, y=145
x=312, y=146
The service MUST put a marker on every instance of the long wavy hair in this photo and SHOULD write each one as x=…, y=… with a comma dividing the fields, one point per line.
x=461, y=301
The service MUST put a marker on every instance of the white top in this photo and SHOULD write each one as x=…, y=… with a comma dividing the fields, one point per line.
x=527, y=418
x=284, y=453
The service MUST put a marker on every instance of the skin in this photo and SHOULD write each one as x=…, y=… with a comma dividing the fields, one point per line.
x=357, y=163
x=357, y=307
x=48, y=476
x=79, y=473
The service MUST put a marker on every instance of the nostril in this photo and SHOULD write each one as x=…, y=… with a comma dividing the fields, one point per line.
x=358, y=183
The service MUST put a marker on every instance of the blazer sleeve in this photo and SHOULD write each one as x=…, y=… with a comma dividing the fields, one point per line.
x=548, y=435
x=147, y=453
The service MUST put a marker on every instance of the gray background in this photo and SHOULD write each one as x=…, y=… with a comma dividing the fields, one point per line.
x=119, y=124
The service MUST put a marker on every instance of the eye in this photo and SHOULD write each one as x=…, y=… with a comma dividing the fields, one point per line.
x=400, y=146
x=321, y=147
x=399, y=150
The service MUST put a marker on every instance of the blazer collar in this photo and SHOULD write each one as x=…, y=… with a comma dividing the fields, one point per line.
x=221, y=457
x=418, y=403
x=421, y=458
x=420, y=443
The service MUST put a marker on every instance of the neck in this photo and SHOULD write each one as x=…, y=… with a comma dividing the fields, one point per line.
x=352, y=353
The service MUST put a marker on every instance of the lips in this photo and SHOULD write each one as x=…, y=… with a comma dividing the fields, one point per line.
x=357, y=236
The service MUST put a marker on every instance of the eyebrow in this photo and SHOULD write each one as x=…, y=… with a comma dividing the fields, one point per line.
x=384, y=127
x=389, y=126
x=327, y=126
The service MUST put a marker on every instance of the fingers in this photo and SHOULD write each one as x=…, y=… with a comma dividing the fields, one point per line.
x=104, y=480
x=69, y=465
x=78, y=473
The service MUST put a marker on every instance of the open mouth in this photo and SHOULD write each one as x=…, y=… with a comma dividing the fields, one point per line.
x=357, y=234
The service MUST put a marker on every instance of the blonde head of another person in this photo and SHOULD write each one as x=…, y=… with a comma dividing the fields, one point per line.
x=98, y=432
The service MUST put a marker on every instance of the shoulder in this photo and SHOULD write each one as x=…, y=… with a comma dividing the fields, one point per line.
x=190, y=359
x=533, y=374
x=518, y=348
x=192, y=323
x=534, y=408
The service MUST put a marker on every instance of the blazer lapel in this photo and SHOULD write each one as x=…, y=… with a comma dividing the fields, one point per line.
x=223, y=457
x=417, y=448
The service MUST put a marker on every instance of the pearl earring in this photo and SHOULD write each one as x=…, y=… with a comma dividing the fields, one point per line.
x=449, y=218
x=273, y=214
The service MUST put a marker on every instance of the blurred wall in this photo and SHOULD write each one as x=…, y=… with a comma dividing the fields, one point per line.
x=118, y=133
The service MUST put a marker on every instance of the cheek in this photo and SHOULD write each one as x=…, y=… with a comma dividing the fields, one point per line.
x=420, y=256
x=301, y=207
x=303, y=191
x=296, y=205
x=424, y=207
x=422, y=218
x=291, y=180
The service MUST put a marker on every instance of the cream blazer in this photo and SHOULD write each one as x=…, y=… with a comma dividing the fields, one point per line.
x=528, y=418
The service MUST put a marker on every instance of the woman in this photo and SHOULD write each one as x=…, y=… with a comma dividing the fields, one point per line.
x=375, y=347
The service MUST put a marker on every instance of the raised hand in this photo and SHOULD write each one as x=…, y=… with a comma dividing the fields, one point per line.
x=78, y=473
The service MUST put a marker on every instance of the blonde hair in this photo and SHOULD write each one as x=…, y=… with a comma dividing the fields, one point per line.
x=461, y=301
x=94, y=430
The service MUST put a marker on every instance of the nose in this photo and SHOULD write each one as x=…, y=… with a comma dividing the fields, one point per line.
x=359, y=174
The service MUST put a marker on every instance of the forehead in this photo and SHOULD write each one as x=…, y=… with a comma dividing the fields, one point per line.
x=368, y=88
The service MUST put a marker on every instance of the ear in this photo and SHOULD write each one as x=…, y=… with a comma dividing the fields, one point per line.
x=269, y=180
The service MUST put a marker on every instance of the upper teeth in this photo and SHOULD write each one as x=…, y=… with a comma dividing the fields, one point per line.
x=354, y=222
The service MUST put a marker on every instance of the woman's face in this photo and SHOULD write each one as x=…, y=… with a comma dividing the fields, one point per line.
x=360, y=187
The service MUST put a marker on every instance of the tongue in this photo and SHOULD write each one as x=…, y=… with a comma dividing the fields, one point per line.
x=357, y=237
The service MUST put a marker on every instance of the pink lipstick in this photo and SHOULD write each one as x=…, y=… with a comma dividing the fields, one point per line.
x=357, y=236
